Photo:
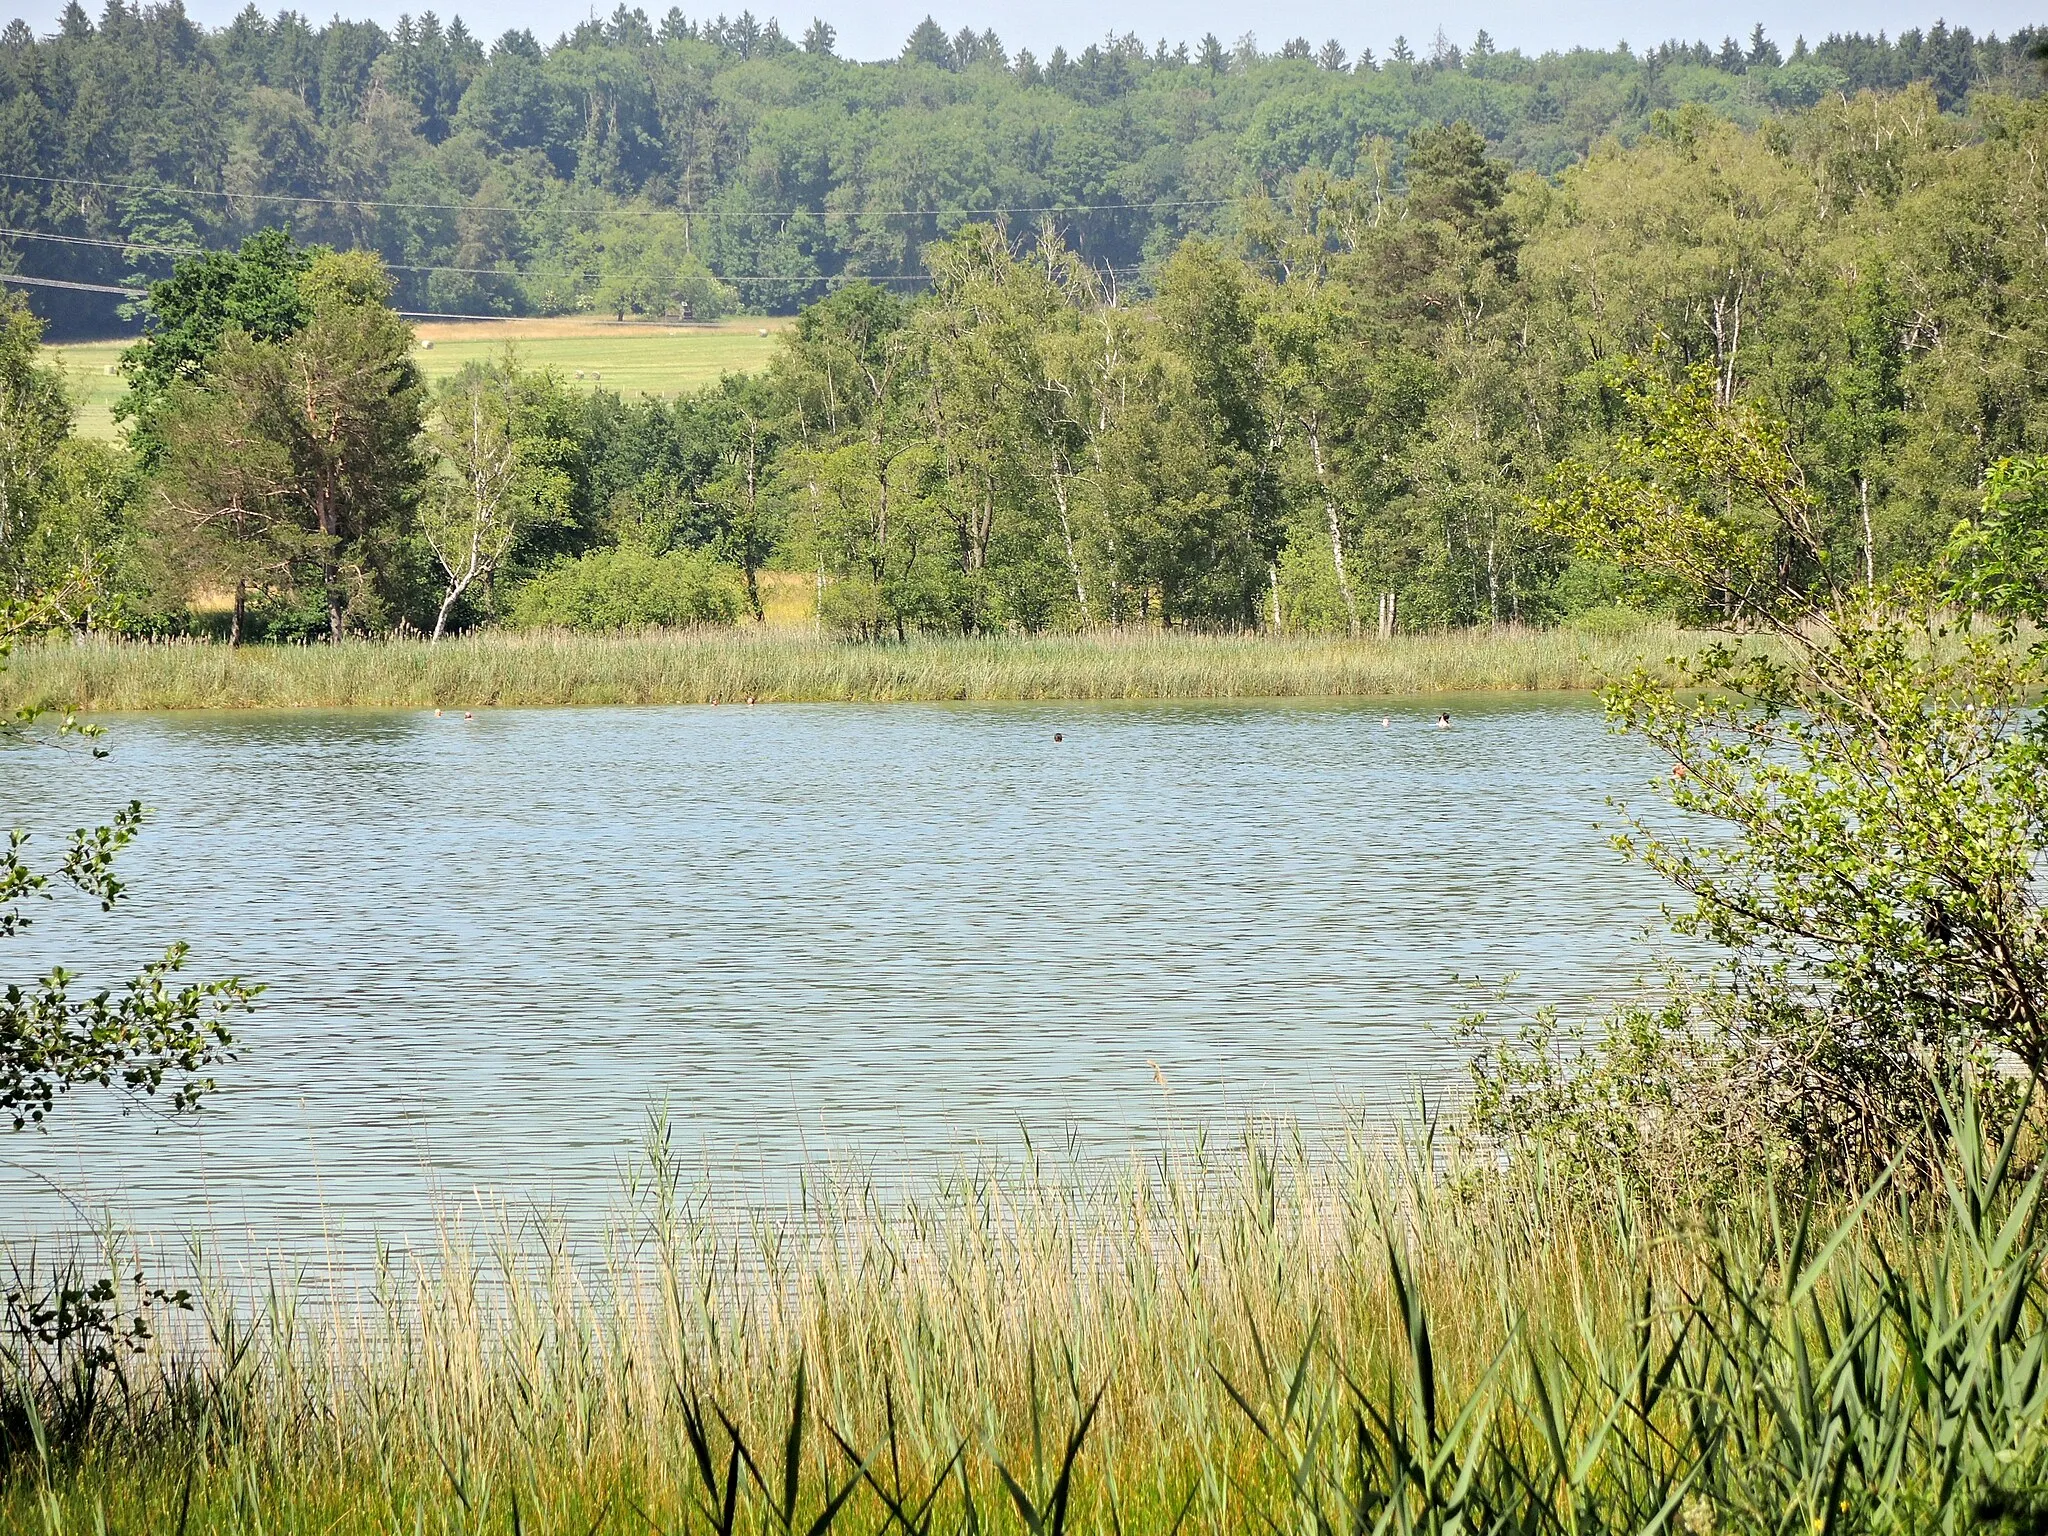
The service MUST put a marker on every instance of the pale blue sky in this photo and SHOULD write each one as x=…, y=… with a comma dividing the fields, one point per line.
x=876, y=28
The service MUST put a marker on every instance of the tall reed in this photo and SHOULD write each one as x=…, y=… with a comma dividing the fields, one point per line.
x=734, y=665
x=1276, y=1339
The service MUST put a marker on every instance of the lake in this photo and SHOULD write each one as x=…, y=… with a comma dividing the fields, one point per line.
x=890, y=934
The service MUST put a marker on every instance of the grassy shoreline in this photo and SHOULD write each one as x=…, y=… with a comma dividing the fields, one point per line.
x=1265, y=1338
x=701, y=667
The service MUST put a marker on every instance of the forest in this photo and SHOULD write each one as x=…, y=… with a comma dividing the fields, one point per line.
x=638, y=165
x=1334, y=407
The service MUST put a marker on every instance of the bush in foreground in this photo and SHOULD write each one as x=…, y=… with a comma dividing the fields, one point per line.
x=1871, y=767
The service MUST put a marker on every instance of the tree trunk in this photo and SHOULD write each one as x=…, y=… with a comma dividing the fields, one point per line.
x=441, y=618
x=241, y=609
x=747, y=561
x=1315, y=448
x=1492, y=583
x=1059, y=494
x=1869, y=550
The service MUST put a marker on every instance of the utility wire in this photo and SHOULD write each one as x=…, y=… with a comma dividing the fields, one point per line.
x=58, y=282
x=530, y=272
x=785, y=213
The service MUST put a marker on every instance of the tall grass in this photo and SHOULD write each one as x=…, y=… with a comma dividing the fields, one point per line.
x=1267, y=1341
x=733, y=665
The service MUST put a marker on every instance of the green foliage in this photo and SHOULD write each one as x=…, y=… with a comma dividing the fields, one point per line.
x=69, y=551
x=35, y=419
x=157, y=1027
x=2000, y=560
x=497, y=478
x=1331, y=399
x=255, y=291
x=486, y=171
x=647, y=267
x=1659, y=1103
x=294, y=463
x=1876, y=771
x=626, y=588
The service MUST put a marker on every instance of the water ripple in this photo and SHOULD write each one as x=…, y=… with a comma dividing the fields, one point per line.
x=890, y=931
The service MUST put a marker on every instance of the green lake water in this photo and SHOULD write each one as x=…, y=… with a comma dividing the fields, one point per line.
x=895, y=936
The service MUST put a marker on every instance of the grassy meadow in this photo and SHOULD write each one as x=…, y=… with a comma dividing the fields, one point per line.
x=93, y=379
x=634, y=358
x=732, y=665
x=1259, y=1339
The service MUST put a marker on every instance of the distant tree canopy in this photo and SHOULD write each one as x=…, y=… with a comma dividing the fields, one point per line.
x=518, y=177
x=1310, y=347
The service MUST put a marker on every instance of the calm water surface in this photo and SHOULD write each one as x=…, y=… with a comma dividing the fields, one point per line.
x=892, y=934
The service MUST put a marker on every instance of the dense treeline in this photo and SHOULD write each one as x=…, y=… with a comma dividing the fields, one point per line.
x=1359, y=393
x=643, y=165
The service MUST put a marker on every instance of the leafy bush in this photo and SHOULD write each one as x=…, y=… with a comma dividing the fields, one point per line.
x=1880, y=783
x=628, y=588
x=854, y=605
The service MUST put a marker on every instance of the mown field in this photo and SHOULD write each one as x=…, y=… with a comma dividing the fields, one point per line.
x=633, y=358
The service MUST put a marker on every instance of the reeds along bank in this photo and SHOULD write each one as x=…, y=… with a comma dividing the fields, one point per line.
x=705, y=666
x=1324, y=1341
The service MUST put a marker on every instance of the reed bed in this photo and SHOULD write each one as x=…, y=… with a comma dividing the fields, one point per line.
x=1270, y=1340
x=701, y=667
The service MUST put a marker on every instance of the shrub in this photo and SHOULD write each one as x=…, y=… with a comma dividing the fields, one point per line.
x=625, y=588
x=854, y=606
x=1880, y=785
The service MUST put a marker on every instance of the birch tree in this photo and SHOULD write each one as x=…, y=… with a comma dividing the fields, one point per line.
x=485, y=491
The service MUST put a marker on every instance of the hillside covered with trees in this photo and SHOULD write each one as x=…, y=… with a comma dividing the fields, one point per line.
x=640, y=164
x=1325, y=397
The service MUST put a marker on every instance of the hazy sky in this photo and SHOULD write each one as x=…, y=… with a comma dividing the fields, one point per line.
x=876, y=28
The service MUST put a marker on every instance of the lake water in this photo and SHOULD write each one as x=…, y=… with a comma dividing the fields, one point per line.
x=891, y=934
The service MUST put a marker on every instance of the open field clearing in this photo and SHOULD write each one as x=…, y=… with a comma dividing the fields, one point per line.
x=94, y=382
x=702, y=666
x=633, y=358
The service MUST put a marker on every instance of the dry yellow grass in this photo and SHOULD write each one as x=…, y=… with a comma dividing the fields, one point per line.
x=789, y=599
x=702, y=666
x=586, y=327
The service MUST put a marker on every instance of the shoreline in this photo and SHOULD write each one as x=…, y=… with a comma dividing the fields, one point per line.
x=511, y=669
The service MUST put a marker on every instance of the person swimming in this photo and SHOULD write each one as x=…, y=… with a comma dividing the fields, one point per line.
x=1443, y=721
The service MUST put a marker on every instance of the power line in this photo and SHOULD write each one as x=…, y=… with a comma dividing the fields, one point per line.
x=530, y=272
x=785, y=213
x=58, y=282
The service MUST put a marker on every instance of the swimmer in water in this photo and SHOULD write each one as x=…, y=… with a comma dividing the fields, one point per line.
x=1443, y=721
x=1385, y=721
